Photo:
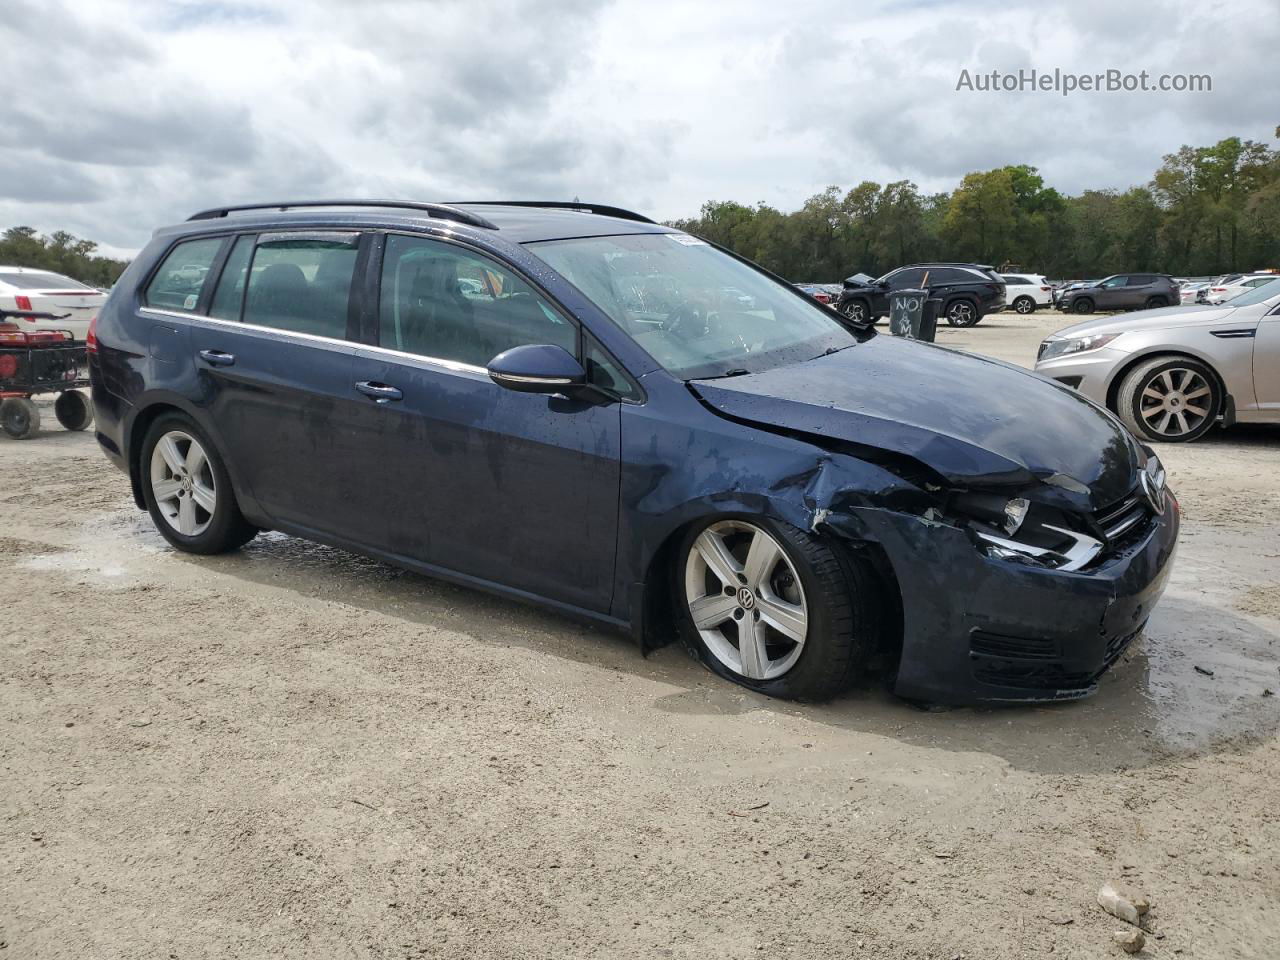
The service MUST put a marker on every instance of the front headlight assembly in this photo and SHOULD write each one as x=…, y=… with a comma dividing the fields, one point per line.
x=1011, y=530
x=1050, y=349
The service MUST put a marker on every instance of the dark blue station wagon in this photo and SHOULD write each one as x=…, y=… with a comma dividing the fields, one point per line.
x=574, y=405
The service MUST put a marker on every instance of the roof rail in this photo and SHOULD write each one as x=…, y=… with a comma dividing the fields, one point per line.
x=441, y=211
x=597, y=208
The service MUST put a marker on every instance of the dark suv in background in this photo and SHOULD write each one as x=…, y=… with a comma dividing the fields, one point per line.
x=1126, y=291
x=969, y=292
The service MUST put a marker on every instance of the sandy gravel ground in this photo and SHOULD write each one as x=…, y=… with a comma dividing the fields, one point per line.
x=294, y=752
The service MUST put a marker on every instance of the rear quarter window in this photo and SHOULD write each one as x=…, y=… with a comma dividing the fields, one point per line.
x=178, y=283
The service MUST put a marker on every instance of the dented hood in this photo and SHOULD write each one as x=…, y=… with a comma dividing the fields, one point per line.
x=975, y=422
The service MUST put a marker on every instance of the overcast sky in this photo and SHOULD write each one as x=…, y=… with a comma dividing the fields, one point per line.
x=121, y=116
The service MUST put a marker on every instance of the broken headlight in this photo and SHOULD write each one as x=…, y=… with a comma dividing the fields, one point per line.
x=1015, y=529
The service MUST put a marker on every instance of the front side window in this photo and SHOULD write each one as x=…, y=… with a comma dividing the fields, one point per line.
x=1113, y=282
x=442, y=301
x=178, y=283
x=666, y=291
x=302, y=283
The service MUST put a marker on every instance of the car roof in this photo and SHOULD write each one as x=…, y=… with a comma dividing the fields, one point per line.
x=518, y=221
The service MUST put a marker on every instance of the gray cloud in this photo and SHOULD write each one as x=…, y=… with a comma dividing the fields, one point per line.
x=153, y=109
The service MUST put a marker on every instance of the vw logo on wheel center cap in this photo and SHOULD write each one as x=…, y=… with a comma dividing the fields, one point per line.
x=746, y=599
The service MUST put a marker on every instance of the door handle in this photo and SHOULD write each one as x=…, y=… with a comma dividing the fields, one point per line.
x=216, y=358
x=380, y=392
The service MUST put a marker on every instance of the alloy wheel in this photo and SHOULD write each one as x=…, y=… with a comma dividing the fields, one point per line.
x=183, y=484
x=1023, y=305
x=961, y=314
x=1175, y=402
x=855, y=310
x=746, y=600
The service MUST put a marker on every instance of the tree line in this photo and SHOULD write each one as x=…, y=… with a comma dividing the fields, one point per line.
x=60, y=252
x=1207, y=210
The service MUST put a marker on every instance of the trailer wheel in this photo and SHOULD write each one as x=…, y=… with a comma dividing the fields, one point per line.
x=72, y=410
x=19, y=418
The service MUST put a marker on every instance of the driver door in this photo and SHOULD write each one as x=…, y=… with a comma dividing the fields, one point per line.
x=1110, y=294
x=517, y=489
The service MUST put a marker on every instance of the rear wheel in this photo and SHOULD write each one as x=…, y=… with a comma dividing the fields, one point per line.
x=188, y=491
x=72, y=410
x=1155, y=303
x=1024, y=305
x=1175, y=399
x=962, y=313
x=773, y=608
x=19, y=418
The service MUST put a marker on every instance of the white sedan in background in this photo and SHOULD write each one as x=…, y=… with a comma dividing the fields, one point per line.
x=1026, y=291
x=1232, y=287
x=40, y=291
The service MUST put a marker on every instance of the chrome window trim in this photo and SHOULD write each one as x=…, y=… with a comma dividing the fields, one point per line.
x=450, y=365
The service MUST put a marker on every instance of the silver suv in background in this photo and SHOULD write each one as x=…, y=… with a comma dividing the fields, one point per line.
x=1172, y=374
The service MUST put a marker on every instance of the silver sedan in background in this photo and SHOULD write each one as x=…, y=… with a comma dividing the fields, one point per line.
x=1171, y=374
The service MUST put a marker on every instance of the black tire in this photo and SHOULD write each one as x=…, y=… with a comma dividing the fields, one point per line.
x=856, y=311
x=962, y=312
x=73, y=410
x=1082, y=305
x=1134, y=404
x=19, y=418
x=1155, y=303
x=227, y=528
x=842, y=600
x=1024, y=305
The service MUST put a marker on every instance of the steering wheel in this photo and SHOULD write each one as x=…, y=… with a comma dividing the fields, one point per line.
x=688, y=321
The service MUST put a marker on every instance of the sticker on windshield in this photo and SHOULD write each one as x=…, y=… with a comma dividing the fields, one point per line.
x=687, y=239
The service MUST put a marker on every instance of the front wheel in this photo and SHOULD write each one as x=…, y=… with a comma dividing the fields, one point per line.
x=1174, y=399
x=188, y=491
x=1083, y=305
x=962, y=313
x=856, y=311
x=19, y=418
x=773, y=608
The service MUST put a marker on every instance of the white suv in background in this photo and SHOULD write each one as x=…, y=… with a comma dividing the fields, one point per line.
x=1026, y=291
x=40, y=291
x=1233, y=286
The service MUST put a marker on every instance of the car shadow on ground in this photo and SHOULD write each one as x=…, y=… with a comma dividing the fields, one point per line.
x=1152, y=706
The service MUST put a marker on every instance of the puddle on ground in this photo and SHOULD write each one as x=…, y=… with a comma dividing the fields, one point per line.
x=1154, y=704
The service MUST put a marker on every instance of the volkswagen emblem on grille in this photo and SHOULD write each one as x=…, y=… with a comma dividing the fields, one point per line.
x=746, y=599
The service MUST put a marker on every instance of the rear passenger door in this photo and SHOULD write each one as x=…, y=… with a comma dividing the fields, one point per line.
x=514, y=488
x=275, y=360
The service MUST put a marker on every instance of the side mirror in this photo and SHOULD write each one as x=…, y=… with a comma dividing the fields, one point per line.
x=537, y=368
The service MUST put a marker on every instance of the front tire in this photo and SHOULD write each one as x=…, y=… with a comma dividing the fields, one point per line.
x=1170, y=399
x=19, y=418
x=773, y=608
x=856, y=311
x=963, y=313
x=1083, y=305
x=188, y=490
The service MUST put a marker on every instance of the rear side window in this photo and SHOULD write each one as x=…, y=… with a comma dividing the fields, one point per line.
x=178, y=283
x=1017, y=281
x=229, y=294
x=302, y=283
x=442, y=301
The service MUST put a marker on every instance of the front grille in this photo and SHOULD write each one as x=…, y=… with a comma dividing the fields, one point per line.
x=1123, y=518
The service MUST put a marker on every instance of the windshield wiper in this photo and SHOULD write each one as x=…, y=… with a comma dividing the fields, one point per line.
x=830, y=350
x=735, y=372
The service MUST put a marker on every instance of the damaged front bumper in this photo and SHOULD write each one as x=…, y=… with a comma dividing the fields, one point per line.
x=978, y=627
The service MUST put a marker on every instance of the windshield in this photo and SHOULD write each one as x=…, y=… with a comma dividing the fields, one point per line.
x=697, y=311
x=1263, y=291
